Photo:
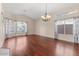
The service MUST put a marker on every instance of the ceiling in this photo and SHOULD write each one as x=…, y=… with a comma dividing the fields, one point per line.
x=35, y=10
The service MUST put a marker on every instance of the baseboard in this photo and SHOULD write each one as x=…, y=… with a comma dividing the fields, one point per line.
x=15, y=36
x=31, y=34
x=67, y=41
x=45, y=37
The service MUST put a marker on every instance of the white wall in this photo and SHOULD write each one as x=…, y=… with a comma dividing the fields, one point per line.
x=66, y=37
x=2, y=35
x=44, y=28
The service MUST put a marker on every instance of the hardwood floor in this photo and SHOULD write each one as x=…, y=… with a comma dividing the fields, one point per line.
x=33, y=45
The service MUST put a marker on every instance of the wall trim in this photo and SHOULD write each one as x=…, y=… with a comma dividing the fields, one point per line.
x=47, y=38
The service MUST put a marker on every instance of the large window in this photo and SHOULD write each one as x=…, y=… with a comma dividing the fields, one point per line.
x=10, y=27
x=15, y=27
x=64, y=26
x=69, y=26
x=21, y=27
x=60, y=27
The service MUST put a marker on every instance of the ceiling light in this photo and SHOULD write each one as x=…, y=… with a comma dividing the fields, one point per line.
x=46, y=17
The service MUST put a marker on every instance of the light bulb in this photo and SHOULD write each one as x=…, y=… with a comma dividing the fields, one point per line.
x=43, y=17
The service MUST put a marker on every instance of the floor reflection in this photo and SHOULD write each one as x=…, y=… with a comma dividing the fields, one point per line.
x=40, y=46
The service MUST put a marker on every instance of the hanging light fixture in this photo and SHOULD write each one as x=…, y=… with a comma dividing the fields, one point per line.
x=46, y=17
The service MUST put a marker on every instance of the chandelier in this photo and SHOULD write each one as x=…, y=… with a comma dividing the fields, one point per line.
x=46, y=17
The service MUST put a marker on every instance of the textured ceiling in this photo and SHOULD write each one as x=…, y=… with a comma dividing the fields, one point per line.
x=35, y=10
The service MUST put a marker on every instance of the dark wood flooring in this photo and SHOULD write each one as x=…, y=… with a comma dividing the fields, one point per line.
x=33, y=45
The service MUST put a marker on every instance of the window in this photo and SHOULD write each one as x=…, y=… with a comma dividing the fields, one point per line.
x=69, y=26
x=21, y=27
x=13, y=27
x=9, y=27
x=64, y=26
x=60, y=27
